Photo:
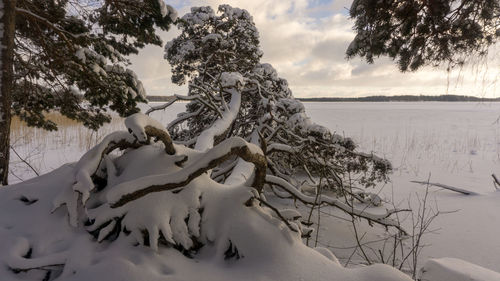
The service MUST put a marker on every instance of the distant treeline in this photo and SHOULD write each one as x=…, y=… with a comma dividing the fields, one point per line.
x=370, y=98
x=402, y=98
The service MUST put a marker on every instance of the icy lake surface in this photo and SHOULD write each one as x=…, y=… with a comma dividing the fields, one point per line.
x=450, y=143
x=456, y=144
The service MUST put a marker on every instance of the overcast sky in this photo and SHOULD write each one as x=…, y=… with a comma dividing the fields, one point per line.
x=305, y=40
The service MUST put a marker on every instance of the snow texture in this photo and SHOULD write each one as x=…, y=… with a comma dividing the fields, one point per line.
x=299, y=120
x=90, y=162
x=232, y=79
x=267, y=249
x=136, y=123
x=243, y=170
x=195, y=162
x=167, y=10
x=206, y=138
x=137, y=83
x=83, y=184
x=212, y=37
x=456, y=270
x=199, y=15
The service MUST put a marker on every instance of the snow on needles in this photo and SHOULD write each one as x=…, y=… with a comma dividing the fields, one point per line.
x=167, y=10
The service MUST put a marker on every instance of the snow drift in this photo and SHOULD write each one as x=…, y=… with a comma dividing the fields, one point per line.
x=201, y=230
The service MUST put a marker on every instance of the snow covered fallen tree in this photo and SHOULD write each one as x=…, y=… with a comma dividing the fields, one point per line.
x=232, y=94
x=198, y=230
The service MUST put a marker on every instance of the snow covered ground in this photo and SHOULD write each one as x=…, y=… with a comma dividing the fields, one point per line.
x=455, y=144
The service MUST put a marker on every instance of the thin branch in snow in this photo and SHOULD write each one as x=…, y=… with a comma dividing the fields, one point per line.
x=496, y=182
x=452, y=188
x=277, y=212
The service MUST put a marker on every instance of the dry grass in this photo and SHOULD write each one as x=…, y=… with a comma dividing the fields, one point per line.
x=47, y=150
x=69, y=132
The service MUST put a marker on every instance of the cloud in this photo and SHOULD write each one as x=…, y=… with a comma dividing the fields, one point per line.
x=305, y=40
x=330, y=50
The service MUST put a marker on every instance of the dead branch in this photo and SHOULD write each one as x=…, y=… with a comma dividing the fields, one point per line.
x=163, y=106
x=42, y=267
x=121, y=144
x=24, y=160
x=183, y=118
x=219, y=173
x=452, y=188
x=383, y=219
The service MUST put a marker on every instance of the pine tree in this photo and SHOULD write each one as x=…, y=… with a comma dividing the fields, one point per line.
x=70, y=56
x=418, y=33
x=233, y=94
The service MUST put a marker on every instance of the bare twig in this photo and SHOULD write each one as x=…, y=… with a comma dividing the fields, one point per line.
x=24, y=160
x=354, y=227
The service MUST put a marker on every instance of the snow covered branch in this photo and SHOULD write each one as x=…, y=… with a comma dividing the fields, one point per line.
x=184, y=98
x=207, y=137
x=61, y=32
x=129, y=191
x=382, y=219
x=144, y=127
x=88, y=165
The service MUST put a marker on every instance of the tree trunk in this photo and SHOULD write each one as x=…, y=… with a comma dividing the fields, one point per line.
x=7, y=28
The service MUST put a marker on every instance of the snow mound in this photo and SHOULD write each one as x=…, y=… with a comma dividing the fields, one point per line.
x=456, y=270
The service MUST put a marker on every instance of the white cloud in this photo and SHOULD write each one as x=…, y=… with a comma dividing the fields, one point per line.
x=305, y=40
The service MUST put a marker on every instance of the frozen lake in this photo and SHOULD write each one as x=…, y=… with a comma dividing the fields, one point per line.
x=454, y=137
x=450, y=143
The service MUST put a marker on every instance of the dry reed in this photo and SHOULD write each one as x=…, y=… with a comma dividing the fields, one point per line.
x=69, y=132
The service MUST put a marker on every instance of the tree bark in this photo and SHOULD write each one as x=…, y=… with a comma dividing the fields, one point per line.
x=7, y=28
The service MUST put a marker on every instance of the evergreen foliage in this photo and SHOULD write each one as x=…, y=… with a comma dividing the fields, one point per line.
x=417, y=32
x=70, y=57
